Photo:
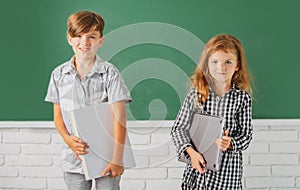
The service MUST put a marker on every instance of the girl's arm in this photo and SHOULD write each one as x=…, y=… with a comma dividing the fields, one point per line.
x=244, y=121
x=181, y=126
x=180, y=133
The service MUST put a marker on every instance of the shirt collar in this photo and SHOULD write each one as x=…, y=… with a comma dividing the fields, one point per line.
x=97, y=68
x=233, y=89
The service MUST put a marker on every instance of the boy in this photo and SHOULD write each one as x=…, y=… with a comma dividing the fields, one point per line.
x=84, y=80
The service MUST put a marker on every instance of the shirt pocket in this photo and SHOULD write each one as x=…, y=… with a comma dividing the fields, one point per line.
x=98, y=92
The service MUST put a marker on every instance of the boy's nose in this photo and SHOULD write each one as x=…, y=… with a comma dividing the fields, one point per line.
x=84, y=41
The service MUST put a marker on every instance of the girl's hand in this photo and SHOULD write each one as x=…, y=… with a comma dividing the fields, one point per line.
x=78, y=146
x=198, y=161
x=225, y=142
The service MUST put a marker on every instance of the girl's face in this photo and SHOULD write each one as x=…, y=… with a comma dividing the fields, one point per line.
x=222, y=66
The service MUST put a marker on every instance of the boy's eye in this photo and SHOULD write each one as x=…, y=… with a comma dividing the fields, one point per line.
x=92, y=37
x=214, y=61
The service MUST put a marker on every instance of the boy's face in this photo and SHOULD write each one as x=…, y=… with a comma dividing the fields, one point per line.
x=86, y=45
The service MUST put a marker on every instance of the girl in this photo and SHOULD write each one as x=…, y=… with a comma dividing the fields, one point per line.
x=220, y=86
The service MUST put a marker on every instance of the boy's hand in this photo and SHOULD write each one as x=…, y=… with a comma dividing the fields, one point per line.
x=113, y=170
x=198, y=161
x=225, y=142
x=78, y=146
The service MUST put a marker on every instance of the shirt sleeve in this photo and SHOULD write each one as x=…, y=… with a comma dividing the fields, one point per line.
x=244, y=121
x=180, y=129
x=52, y=93
x=116, y=87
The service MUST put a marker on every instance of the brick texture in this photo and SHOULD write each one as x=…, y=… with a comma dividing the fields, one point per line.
x=30, y=159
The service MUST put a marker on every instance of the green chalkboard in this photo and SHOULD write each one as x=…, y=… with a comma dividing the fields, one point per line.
x=155, y=45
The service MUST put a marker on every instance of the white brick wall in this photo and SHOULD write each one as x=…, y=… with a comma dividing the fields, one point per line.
x=30, y=157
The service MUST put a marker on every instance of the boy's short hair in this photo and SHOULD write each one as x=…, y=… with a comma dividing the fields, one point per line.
x=84, y=21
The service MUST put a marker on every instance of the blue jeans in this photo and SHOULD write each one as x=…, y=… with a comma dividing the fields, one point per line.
x=75, y=181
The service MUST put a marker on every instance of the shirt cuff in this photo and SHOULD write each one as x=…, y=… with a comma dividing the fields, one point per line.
x=183, y=148
x=125, y=98
x=234, y=146
x=52, y=100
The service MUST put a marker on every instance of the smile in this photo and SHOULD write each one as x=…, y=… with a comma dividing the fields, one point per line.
x=84, y=49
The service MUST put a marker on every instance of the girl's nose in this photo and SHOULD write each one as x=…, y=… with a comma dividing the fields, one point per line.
x=221, y=66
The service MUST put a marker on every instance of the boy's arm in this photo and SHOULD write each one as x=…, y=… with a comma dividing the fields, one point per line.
x=75, y=143
x=116, y=166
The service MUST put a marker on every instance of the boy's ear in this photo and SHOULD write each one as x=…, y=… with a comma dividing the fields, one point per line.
x=69, y=39
x=101, y=41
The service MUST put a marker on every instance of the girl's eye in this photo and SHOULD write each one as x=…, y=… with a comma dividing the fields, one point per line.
x=228, y=62
x=214, y=61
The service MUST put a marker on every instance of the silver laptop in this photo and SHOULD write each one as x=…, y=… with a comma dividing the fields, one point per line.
x=204, y=131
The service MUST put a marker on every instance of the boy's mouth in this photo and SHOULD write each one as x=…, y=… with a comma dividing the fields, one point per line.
x=84, y=49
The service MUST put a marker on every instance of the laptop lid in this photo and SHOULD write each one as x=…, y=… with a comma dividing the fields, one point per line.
x=204, y=131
